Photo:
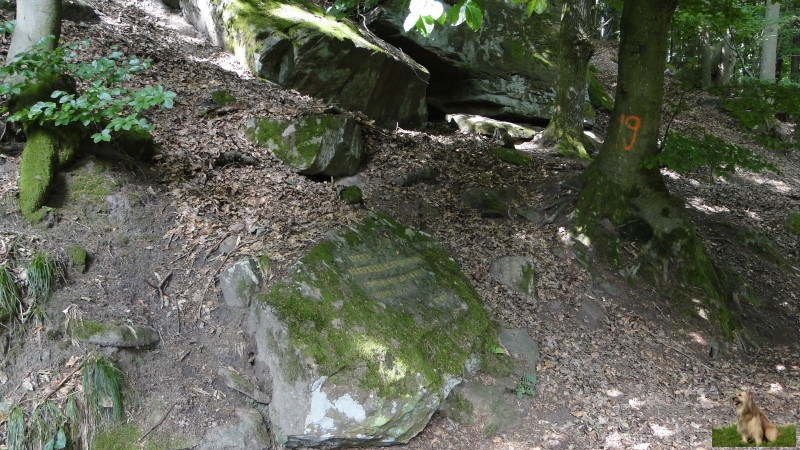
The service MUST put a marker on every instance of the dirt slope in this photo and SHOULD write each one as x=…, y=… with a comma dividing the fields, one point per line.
x=642, y=379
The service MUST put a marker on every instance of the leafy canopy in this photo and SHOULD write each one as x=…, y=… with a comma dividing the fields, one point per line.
x=101, y=100
x=424, y=14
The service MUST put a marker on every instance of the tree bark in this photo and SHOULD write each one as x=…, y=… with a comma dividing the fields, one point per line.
x=574, y=51
x=769, y=48
x=621, y=199
x=36, y=19
x=47, y=147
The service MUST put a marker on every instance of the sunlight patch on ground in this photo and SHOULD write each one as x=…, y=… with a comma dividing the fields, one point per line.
x=777, y=185
x=700, y=205
x=698, y=338
x=635, y=403
x=226, y=62
x=613, y=393
x=661, y=431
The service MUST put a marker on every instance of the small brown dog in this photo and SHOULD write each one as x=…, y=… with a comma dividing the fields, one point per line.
x=752, y=422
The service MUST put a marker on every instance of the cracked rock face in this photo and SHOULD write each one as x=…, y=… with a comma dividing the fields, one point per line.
x=366, y=337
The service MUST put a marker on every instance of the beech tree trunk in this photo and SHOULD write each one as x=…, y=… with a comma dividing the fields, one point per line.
x=624, y=202
x=769, y=48
x=48, y=147
x=36, y=19
x=574, y=51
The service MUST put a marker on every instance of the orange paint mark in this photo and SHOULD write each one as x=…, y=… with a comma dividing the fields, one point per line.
x=632, y=123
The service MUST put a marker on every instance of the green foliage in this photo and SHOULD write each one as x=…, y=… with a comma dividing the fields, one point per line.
x=533, y=6
x=349, y=8
x=101, y=100
x=15, y=432
x=525, y=385
x=102, y=384
x=729, y=437
x=755, y=103
x=683, y=153
x=424, y=14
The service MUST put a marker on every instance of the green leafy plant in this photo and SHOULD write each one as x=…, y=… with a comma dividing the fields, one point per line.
x=683, y=153
x=424, y=14
x=755, y=105
x=525, y=385
x=99, y=99
x=15, y=431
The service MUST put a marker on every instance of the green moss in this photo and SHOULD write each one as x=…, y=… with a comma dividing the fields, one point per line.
x=85, y=329
x=512, y=156
x=390, y=342
x=78, y=257
x=90, y=183
x=221, y=97
x=247, y=20
x=352, y=195
x=598, y=96
x=123, y=437
x=793, y=223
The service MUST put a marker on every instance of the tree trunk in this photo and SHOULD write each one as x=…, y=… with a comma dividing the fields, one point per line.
x=36, y=19
x=574, y=51
x=48, y=147
x=706, y=60
x=727, y=60
x=769, y=48
x=623, y=200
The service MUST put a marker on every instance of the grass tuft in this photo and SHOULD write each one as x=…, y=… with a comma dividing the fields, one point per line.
x=102, y=384
x=9, y=295
x=15, y=437
x=41, y=277
x=729, y=437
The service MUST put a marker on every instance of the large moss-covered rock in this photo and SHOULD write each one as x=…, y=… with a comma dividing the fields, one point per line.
x=326, y=144
x=298, y=46
x=503, y=70
x=366, y=337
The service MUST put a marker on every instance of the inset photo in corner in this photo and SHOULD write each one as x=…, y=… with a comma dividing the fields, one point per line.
x=752, y=428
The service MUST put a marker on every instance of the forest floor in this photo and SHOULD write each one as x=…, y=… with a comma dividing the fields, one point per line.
x=651, y=375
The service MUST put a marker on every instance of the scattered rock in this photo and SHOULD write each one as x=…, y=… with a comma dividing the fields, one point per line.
x=227, y=158
x=240, y=283
x=522, y=348
x=488, y=127
x=591, y=314
x=326, y=144
x=121, y=336
x=426, y=175
x=354, y=180
x=366, y=338
x=516, y=273
x=248, y=431
x=489, y=202
x=235, y=381
x=76, y=11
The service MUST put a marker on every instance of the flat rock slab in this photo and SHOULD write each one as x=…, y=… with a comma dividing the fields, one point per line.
x=366, y=338
x=123, y=336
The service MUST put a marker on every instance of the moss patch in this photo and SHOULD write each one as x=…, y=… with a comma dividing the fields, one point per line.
x=352, y=195
x=222, y=97
x=337, y=315
x=78, y=257
x=512, y=156
x=793, y=223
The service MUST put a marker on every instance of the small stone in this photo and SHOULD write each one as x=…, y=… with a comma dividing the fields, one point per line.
x=352, y=195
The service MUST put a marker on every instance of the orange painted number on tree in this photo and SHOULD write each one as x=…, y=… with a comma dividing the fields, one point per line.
x=632, y=123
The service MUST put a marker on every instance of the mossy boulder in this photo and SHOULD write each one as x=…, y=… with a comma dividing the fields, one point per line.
x=352, y=195
x=366, y=337
x=503, y=70
x=516, y=273
x=298, y=46
x=327, y=144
